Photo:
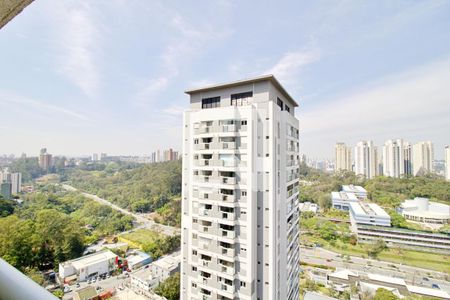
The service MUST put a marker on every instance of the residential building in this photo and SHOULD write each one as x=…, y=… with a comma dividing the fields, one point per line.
x=103, y=156
x=342, y=200
x=366, y=159
x=158, y=271
x=359, y=191
x=423, y=157
x=393, y=158
x=240, y=192
x=343, y=157
x=138, y=260
x=95, y=157
x=407, y=158
x=165, y=267
x=447, y=163
x=14, y=178
x=5, y=190
x=88, y=266
x=45, y=160
x=308, y=206
x=16, y=183
x=424, y=211
x=363, y=213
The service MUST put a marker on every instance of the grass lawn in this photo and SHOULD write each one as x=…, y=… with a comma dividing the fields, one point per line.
x=426, y=260
x=139, y=237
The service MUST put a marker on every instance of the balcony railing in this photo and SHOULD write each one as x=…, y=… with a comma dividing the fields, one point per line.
x=16, y=286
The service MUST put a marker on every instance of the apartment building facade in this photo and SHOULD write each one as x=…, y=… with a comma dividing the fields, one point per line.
x=393, y=158
x=343, y=156
x=366, y=159
x=240, y=209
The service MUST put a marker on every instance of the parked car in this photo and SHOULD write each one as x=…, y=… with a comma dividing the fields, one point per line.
x=425, y=279
x=67, y=289
x=435, y=286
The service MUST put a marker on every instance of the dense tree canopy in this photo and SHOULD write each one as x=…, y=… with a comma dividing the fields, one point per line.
x=49, y=228
x=148, y=188
x=170, y=288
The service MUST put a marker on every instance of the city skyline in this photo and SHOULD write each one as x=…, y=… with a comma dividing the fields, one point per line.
x=67, y=85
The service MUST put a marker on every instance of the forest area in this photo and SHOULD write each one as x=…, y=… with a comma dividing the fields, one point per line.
x=52, y=226
x=147, y=188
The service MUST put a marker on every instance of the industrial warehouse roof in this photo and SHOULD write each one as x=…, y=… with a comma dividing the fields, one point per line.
x=346, y=196
x=269, y=77
x=428, y=292
x=168, y=262
x=91, y=259
x=353, y=189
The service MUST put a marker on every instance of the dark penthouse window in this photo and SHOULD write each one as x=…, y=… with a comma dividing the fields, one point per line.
x=211, y=102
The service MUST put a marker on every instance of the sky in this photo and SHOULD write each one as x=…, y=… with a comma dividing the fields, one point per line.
x=79, y=77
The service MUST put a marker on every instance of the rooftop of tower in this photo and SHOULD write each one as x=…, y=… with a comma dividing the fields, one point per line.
x=268, y=77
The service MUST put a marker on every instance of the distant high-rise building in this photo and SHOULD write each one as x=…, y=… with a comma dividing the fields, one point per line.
x=407, y=158
x=95, y=157
x=240, y=209
x=447, y=163
x=16, y=183
x=45, y=159
x=423, y=157
x=343, y=157
x=393, y=158
x=366, y=159
x=5, y=189
x=103, y=156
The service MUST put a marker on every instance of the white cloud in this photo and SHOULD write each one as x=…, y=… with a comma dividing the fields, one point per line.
x=174, y=110
x=79, y=43
x=14, y=99
x=288, y=67
x=189, y=41
x=414, y=104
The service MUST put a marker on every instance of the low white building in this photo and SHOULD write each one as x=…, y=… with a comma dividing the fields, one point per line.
x=149, y=277
x=138, y=259
x=342, y=200
x=308, y=206
x=88, y=266
x=165, y=267
x=424, y=211
x=363, y=213
x=359, y=191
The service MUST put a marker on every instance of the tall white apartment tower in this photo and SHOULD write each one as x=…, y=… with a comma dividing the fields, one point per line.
x=423, y=157
x=447, y=163
x=393, y=158
x=343, y=157
x=366, y=159
x=407, y=158
x=240, y=209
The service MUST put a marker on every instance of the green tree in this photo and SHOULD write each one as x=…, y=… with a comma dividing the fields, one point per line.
x=383, y=294
x=6, y=207
x=170, y=288
x=374, y=249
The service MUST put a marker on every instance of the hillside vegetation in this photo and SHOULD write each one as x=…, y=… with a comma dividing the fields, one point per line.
x=386, y=191
x=54, y=226
x=148, y=188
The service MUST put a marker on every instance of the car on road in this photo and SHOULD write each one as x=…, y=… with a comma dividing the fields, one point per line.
x=67, y=289
x=435, y=286
x=425, y=279
x=328, y=260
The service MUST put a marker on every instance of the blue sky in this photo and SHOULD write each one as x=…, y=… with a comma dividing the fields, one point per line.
x=108, y=76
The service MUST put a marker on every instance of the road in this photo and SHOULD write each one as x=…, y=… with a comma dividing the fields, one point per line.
x=412, y=275
x=142, y=222
x=112, y=282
